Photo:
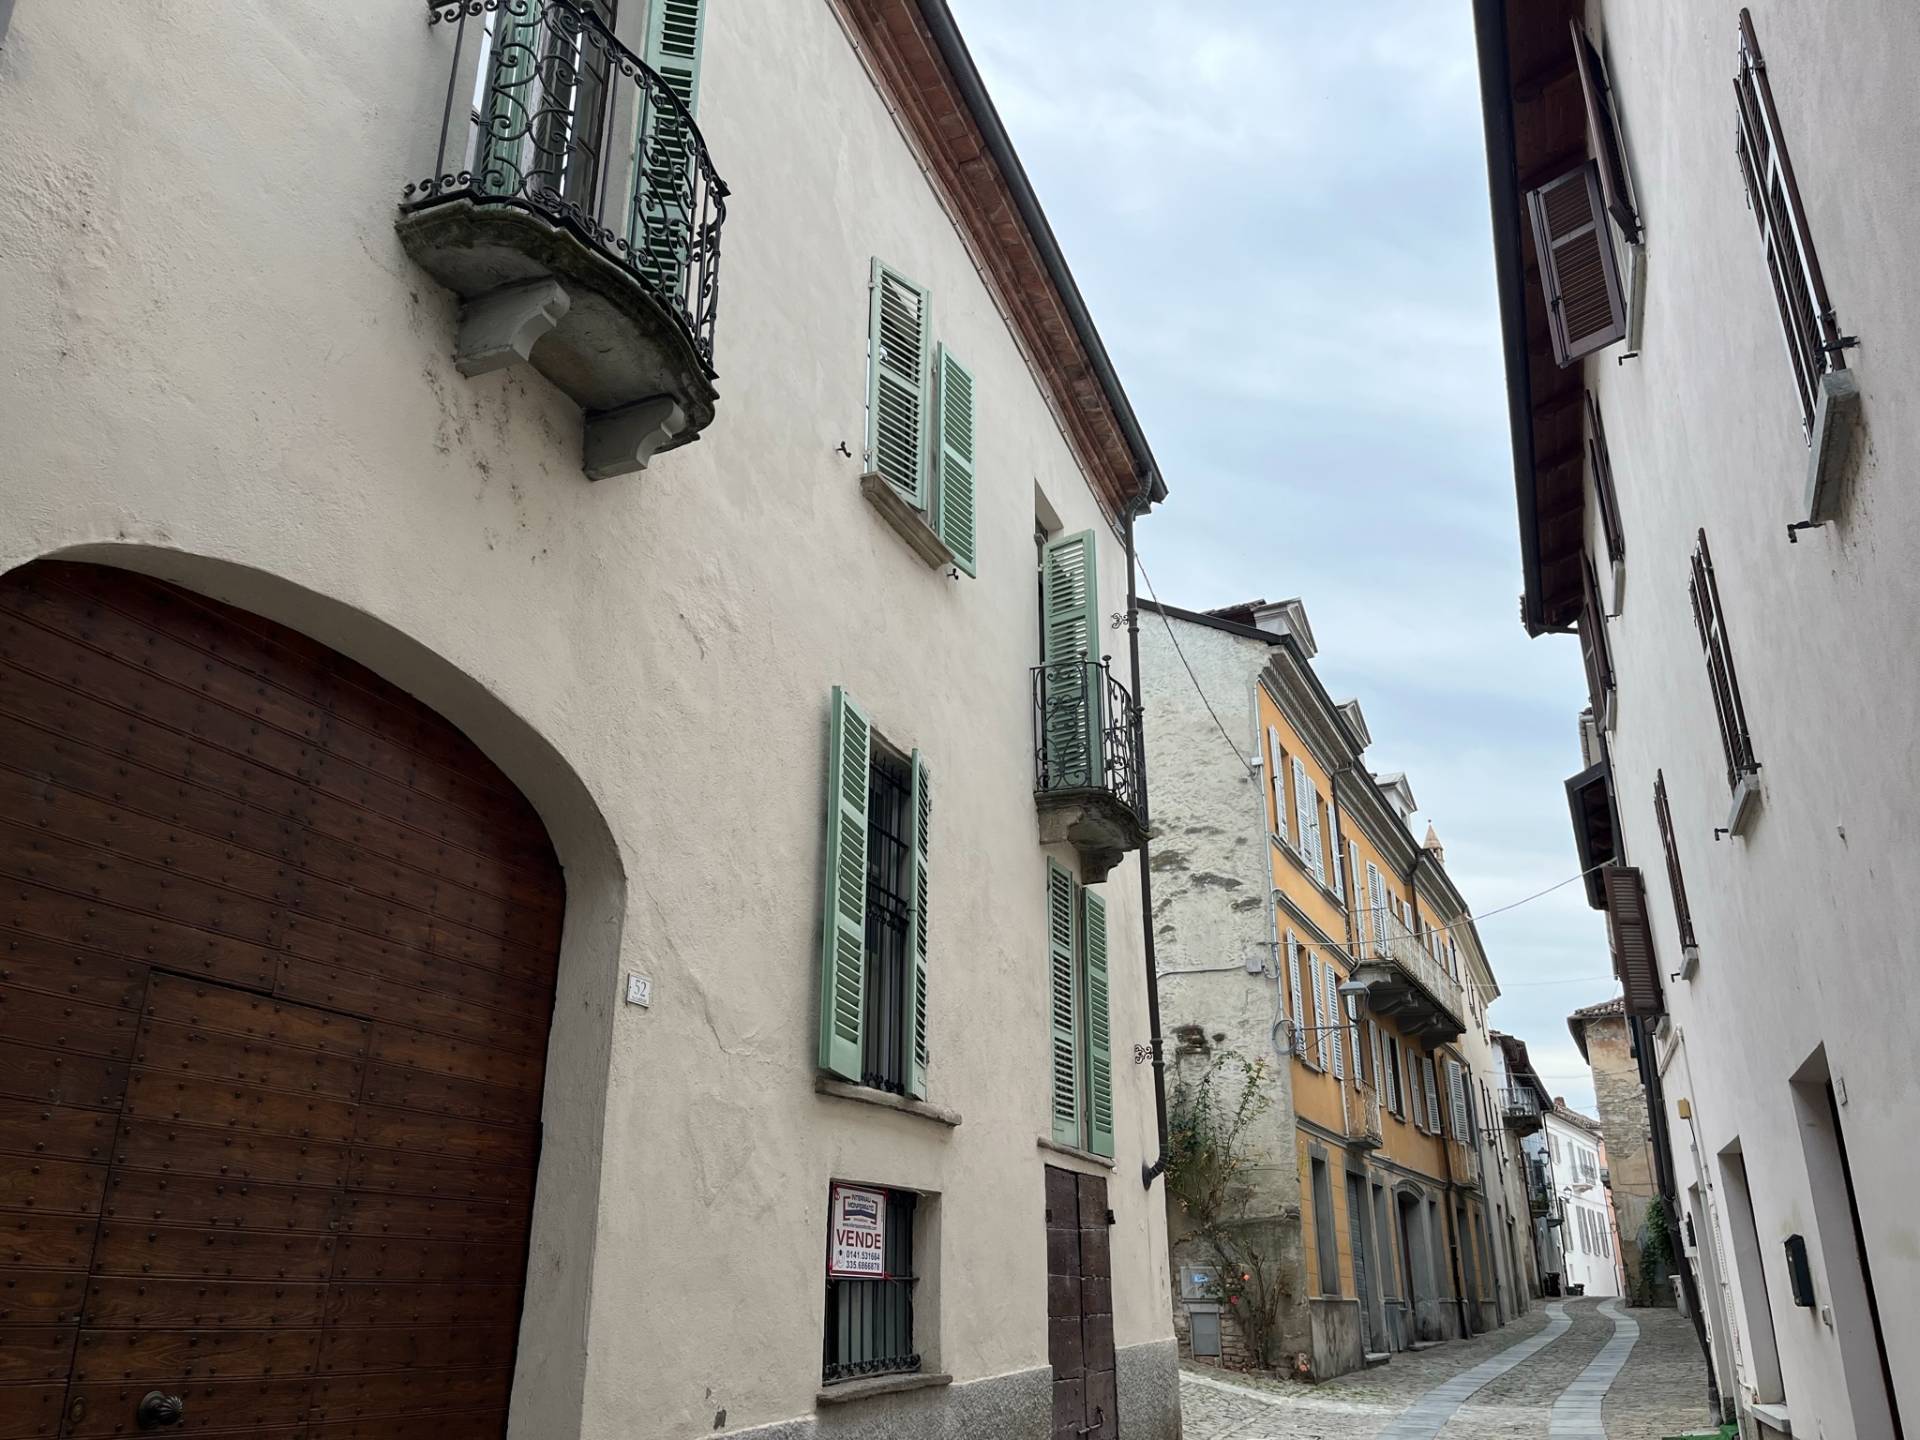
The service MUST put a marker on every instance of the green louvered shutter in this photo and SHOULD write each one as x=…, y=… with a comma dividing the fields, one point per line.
x=1099, y=1041
x=922, y=812
x=1070, y=627
x=843, y=942
x=511, y=101
x=953, y=427
x=1063, y=1004
x=897, y=353
x=663, y=160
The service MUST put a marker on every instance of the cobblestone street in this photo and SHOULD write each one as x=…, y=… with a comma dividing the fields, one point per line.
x=1563, y=1387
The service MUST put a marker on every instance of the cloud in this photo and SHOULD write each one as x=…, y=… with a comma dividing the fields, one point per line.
x=1277, y=212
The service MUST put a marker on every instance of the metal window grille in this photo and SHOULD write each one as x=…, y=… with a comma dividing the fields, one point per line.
x=869, y=1321
x=1735, y=740
x=1814, y=343
x=887, y=1032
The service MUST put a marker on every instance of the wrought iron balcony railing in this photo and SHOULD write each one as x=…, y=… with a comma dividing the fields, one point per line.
x=548, y=112
x=1518, y=1106
x=1085, y=735
x=1089, y=776
x=1386, y=938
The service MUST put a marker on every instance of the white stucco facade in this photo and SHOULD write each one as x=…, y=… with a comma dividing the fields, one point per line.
x=1502, y=1170
x=1786, y=1056
x=1588, y=1246
x=225, y=371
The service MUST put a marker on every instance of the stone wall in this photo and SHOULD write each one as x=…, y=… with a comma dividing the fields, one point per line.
x=1623, y=1116
x=1211, y=881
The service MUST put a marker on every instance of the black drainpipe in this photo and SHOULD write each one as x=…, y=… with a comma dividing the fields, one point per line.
x=1159, y=1060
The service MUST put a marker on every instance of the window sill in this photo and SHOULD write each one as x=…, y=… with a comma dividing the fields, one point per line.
x=910, y=524
x=1327, y=892
x=850, y=1390
x=1745, y=806
x=1835, y=419
x=1074, y=1152
x=1774, y=1417
x=1618, y=600
x=866, y=1095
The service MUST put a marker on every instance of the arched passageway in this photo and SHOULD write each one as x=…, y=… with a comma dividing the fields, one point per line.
x=277, y=961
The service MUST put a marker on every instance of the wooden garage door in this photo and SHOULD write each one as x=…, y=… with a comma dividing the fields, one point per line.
x=277, y=952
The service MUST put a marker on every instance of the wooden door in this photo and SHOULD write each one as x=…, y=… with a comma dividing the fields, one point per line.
x=1362, y=1276
x=277, y=950
x=1080, y=1307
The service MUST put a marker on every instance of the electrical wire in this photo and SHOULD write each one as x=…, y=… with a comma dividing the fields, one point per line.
x=1254, y=775
x=1160, y=610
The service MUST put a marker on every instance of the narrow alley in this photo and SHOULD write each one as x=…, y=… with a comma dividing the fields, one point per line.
x=1573, y=1370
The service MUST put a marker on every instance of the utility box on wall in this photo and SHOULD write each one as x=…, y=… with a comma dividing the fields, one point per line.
x=1203, y=1331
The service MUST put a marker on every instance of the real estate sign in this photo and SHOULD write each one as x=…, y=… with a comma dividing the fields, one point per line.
x=857, y=1232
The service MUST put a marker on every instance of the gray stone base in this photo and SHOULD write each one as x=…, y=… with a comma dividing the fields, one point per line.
x=1149, y=1377
x=1338, y=1342
x=1017, y=1406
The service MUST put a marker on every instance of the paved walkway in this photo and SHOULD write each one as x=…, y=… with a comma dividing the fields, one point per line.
x=1571, y=1370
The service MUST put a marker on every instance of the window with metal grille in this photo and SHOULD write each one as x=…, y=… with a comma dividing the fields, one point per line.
x=1681, y=911
x=1814, y=343
x=888, y=1028
x=869, y=1324
x=1708, y=618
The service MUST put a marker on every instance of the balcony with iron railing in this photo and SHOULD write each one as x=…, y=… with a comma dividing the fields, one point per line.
x=1089, y=777
x=1404, y=980
x=572, y=206
x=1520, y=1110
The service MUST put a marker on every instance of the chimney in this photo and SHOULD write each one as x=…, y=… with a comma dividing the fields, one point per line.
x=1433, y=846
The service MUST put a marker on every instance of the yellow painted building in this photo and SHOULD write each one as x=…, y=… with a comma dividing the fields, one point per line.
x=1368, y=946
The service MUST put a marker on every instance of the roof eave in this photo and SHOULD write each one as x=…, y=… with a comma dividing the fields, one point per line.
x=1503, y=192
x=953, y=50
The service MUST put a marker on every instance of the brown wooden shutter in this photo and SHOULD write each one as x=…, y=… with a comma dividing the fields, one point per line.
x=1600, y=459
x=1808, y=324
x=1585, y=307
x=1603, y=134
x=1593, y=644
x=1735, y=740
x=1632, y=940
x=1682, y=912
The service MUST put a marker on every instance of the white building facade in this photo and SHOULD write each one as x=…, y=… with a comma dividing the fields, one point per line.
x=1577, y=1162
x=1496, y=1146
x=657, y=951
x=1520, y=1102
x=1699, y=220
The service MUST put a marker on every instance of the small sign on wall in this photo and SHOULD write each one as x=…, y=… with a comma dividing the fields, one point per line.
x=857, y=1233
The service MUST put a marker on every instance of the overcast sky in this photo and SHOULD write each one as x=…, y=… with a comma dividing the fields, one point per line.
x=1277, y=213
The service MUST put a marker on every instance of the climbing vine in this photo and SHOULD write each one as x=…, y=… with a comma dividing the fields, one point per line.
x=1211, y=1158
x=1656, y=1251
